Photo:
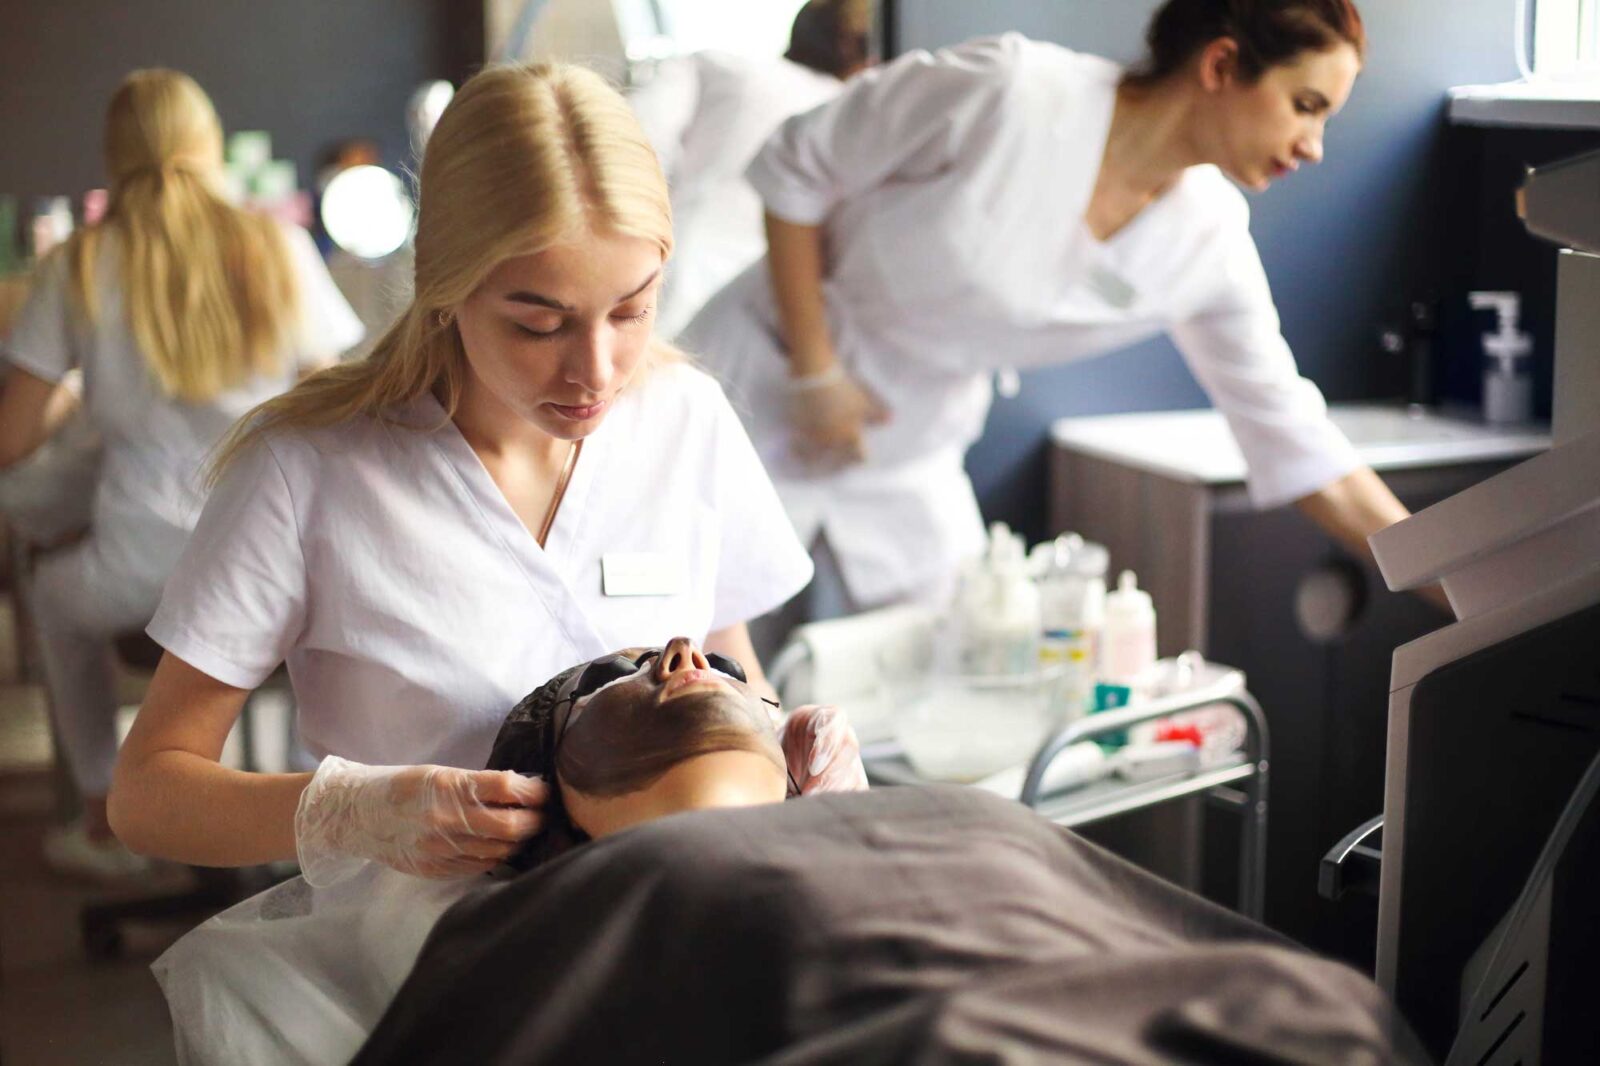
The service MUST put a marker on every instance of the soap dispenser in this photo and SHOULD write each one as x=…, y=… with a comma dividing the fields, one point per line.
x=1507, y=383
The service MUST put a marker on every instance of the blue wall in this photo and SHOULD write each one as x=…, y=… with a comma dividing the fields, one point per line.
x=311, y=73
x=1346, y=244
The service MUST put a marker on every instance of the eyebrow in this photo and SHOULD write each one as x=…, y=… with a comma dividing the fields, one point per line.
x=523, y=296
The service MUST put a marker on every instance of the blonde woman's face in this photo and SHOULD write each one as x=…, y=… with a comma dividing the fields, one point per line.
x=555, y=337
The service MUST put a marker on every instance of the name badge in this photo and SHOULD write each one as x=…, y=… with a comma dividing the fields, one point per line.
x=1112, y=287
x=641, y=574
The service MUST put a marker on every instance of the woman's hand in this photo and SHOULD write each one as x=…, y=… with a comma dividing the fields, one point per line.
x=822, y=750
x=432, y=821
x=828, y=416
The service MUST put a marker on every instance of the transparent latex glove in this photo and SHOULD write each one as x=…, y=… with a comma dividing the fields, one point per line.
x=432, y=821
x=828, y=414
x=822, y=750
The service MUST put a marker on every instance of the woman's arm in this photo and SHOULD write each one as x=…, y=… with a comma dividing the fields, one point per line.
x=796, y=264
x=172, y=798
x=1352, y=509
x=31, y=409
x=734, y=642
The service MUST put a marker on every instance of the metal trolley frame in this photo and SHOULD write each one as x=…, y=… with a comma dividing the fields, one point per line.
x=1239, y=782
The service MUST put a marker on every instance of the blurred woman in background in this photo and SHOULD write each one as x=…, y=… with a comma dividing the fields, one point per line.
x=183, y=313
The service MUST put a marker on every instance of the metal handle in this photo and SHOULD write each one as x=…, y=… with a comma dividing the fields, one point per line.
x=1352, y=865
x=1087, y=728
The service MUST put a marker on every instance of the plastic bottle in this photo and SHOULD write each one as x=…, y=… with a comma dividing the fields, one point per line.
x=999, y=609
x=1071, y=574
x=1128, y=644
x=1507, y=383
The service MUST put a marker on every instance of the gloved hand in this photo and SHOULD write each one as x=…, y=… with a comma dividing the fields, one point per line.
x=822, y=750
x=828, y=413
x=433, y=821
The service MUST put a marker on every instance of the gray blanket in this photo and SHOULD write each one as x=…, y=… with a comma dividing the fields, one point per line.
x=918, y=925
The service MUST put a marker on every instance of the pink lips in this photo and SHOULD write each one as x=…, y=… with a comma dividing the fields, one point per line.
x=578, y=414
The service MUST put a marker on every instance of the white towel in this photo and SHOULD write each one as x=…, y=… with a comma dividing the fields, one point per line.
x=841, y=665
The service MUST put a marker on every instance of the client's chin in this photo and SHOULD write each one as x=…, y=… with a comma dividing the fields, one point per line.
x=718, y=779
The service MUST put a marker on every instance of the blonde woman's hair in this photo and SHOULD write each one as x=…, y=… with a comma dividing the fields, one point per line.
x=524, y=158
x=208, y=289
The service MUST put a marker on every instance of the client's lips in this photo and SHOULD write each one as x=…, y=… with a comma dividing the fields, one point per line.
x=684, y=679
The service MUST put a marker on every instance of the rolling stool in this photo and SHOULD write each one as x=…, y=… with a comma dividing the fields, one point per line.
x=100, y=924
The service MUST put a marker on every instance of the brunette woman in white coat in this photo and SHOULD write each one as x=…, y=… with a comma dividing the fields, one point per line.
x=1010, y=203
x=518, y=478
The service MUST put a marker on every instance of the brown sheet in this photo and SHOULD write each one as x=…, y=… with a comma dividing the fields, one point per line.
x=928, y=925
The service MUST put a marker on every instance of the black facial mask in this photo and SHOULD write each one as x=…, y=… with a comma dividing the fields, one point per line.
x=529, y=737
x=601, y=672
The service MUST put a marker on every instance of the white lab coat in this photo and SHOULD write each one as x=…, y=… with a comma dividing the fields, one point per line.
x=707, y=115
x=149, y=490
x=415, y=609
x=951, y=188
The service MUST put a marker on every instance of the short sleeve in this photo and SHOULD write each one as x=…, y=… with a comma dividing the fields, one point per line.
x=763, y=564
x=42, y=339
x=911, y=118
x=1234, y=344
x=328, y=325
x=236, y=602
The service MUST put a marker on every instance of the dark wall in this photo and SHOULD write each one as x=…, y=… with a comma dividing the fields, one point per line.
x=311, y=73
x=1347, y=244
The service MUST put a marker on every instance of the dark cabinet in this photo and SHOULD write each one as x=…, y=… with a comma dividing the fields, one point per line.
x=1313, y=630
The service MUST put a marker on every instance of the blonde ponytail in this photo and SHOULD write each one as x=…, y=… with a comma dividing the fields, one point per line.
x=209, y=290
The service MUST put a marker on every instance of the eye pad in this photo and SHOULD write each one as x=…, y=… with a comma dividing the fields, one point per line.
x=601, y=673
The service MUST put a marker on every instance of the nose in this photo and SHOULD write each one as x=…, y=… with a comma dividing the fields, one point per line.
x=1310, y=146
x=681, y=654
x=591, y=366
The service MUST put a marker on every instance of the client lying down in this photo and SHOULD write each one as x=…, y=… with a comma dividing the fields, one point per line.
x=678, y=911
x=902, y=925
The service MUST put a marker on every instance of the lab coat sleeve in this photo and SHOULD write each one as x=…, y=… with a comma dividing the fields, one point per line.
x=42, y=340
x=665, y=107
x=236, y=602
x=1234, y=344
x=328, y=326
x=910, y=119
x=762, y=563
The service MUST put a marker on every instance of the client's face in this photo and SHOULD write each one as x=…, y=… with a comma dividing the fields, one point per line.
x=665, y=731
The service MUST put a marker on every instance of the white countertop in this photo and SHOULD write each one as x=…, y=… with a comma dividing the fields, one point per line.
x=1538, y=104
x=1197, y=446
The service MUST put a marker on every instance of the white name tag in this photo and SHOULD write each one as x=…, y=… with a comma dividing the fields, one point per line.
x=642, y=574
x=1112, y=287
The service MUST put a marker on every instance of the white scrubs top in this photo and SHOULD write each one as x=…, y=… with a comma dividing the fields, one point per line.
x=707, y=115
x=415, y=609
x=951, y=189
x=150, y=489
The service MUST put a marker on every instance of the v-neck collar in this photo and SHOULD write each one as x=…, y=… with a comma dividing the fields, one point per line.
x=565, y=530
x=1106, y=114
